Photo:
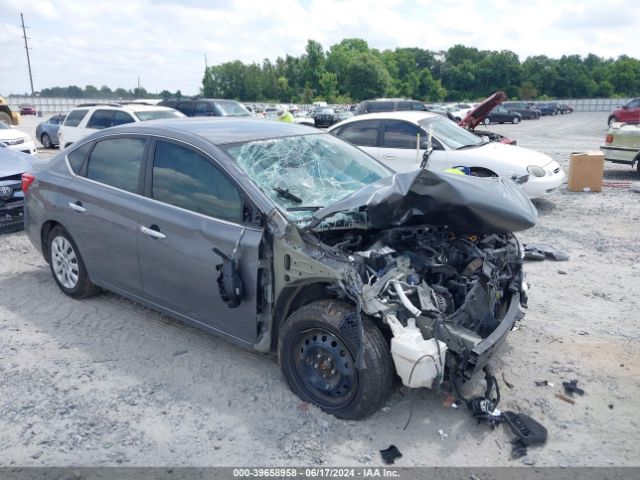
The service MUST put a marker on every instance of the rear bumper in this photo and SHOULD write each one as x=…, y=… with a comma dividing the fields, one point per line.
x=11, y=217
x=620, y=154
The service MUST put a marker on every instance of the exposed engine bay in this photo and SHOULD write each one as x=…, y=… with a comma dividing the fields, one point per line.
x=437, y=291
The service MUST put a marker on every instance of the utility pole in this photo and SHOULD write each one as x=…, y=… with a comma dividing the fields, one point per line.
x=205, y=61
x=138, y=95
x=26, y=47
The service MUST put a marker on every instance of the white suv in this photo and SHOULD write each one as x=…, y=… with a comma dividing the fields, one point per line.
x=89, y=117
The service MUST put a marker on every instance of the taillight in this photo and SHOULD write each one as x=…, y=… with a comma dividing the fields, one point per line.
x=27, y=180
x=608, y=138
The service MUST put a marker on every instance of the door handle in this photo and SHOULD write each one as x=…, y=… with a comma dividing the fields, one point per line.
x=388, y=156
x=153, y=233
x=77, y=207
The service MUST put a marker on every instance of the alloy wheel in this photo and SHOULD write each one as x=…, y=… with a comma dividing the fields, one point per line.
x=64, y=262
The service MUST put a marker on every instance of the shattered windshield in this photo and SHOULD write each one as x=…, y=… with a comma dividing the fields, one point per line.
x=450, y=133
x=304, y=173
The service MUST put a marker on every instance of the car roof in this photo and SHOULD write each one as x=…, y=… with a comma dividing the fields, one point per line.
x=220, y=130
x=407, y=115
x=130, y=107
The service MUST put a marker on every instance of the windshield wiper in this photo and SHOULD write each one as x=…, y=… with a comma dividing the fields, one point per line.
x=472, y=145
x=304, y=209
x=285, y=193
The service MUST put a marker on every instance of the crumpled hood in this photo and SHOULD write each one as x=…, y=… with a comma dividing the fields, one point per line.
x=509, y=154
x=12, y=163
x=465, y=204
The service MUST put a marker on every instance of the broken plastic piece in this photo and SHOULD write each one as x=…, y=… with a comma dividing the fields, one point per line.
x=443, y=435
x=390, y=455
x=564, y=398
x=528, y=430
x=550, y=252
x=544, y=383
x=518, y=449
x=572, y=387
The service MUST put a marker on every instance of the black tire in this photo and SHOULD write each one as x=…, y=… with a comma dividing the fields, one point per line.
x=612, y=119
x=82, y=287
x=45, y=140
x=312, y=350
x=5, y=118
x=515, y=120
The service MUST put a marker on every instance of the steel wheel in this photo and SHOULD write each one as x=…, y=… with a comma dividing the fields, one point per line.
x=64, y=262
x=46, y=141
x=325, y=367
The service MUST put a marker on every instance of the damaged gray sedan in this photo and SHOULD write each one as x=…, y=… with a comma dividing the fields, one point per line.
x=283, y=238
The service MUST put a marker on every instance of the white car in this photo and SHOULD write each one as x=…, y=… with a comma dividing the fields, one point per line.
x=86, y=118
x=392, y=138
x=16, y=140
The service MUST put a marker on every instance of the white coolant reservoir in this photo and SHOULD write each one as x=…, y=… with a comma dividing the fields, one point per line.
x=410, y=351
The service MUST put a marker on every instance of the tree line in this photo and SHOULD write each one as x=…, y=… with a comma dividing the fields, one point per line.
x=104, y=92
x=351, y=71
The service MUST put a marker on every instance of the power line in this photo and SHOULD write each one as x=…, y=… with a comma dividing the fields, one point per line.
x=26, y=47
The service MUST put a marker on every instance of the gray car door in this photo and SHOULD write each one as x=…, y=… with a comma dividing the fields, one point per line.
x=192, y=208
x=99, y=206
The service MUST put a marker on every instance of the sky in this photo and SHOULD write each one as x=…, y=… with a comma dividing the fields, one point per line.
x=163, y=42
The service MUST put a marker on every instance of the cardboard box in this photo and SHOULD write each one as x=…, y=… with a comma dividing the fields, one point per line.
x=585, y=172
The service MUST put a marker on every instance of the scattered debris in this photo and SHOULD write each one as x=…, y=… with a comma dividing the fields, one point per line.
x=449, y=401
x=180, y=352
x=572, y=387
x=564, y=398
x=611, y=406
x=518, y=449
x=582, y=332
x=303, y=406
x=455, y=405
x=528, y=430
x=562, y=272
x=544, y=251
x=507, y=382
x=443, y=435
x=390, y=455
x=543, y=383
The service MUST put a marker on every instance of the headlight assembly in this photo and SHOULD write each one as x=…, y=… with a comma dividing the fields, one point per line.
x=536, y=171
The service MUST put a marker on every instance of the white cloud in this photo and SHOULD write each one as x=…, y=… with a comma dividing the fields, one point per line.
x=104, y=42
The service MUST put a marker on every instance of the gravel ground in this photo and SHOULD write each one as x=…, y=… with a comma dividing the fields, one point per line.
x=106, y=381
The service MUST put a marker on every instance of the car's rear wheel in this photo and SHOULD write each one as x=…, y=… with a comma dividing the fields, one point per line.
x=67, y=265
x=487, y=120
x=515, y=120
x=45, y=140
x=317, y=353
x=5, y=118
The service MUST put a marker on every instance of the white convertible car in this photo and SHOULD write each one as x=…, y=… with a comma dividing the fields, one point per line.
x=399, y=140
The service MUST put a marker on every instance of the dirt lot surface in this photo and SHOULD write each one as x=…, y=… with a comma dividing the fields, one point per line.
x=106, y=381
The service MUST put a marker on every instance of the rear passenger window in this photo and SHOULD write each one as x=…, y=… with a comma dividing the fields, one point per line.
x=380, y=107
x=399, y=134
x=120, y=118
x=202, y=109
x=186, y=179
x=75, y=117
x=101, y=119
x=77, y=157
x=116, y=162
x=362, y=134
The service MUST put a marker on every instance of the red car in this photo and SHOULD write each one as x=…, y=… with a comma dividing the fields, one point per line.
x=630, y=113
x=27, y=110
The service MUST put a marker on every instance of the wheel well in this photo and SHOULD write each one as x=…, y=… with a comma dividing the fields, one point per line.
x=44, y=234
x=294, y=298
x=483, y=172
